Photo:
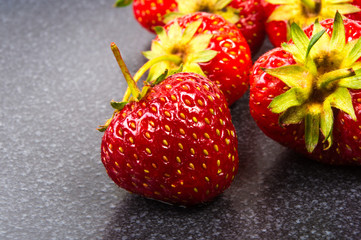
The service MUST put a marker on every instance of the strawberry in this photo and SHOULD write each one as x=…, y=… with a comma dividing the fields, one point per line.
x=247, y=15
x=205, y=44
x=307, y=94
x=281, y=14
x=149, y=13
x=173, y=141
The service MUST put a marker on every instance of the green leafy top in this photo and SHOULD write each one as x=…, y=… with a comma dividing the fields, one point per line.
x=305, y=12
x=122, y=3
x=220, y=7
x=191, y=49
x=325, y=69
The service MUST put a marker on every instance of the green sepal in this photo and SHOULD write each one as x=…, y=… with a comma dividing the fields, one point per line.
x=171, y=16
x=291, y=98
x=299, y=37
x=310, y=4
x=312, y=131
x=194, y=68
x=122, y=3
x=161, y=34
x=328, y=80
x=203, y=56
x=338, y=39
x=327, y=123
x=291, y=75
x=354, y=54
x=118, y=105
x=353, y=82
x=189, y=31
x=293, y=115
x=342, y=100
x=220, y=4
x=314, y=40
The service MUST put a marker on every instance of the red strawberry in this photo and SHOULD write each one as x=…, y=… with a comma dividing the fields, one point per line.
x=306, y=95
x=175, y=144
x=208, y=45
x=281, y=14
x=247, y=15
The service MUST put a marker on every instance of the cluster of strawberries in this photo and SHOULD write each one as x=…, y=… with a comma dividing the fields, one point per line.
x=174, y=141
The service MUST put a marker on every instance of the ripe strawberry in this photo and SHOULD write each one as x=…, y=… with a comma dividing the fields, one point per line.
x=281, y=14
x=176, y=144
x=247, y=15
x=312, y=86
x=149, y=13
x=206, y=44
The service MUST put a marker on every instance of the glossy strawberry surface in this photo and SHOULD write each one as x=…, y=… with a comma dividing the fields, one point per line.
x=346, y=149
x=177, y=144
x=251, y=18
x=277, y=30
x=150, y=13
x=229, y=69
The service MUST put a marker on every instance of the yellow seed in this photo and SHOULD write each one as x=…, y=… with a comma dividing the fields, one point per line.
x=110, y=147
x=135, y=156
x=162, y=99
x=200, y=102
x=128, y=165
x=205, y=152
x=211, y=110
x=179, y=171
x=173, y=186
x=227, y=141
x=148, y=150
x=210, y=97
x=195, y=119
x=218, y=163
x=185, y=87
x=182, y=131
x=178, y=159
x=207, y=120
x=219, y=171
x=191, y=166
x=192, y=151
x=217, y=186
x=195, y=189
x=145, y=185
x=187, y=102
x=168, y=86
x=206, y=87
x=182, y=115
x=204, y=165
x=167, y=128
x=218, y=132
x=166, y=175
x=157, y=193
x=167, y=113
x=146, y=171
x=154, y=165
x=117, y=164
x=180, y=146
x=154, y=109
x=131, y=140
x=195, y=136
x=206, y=178
x=120, y=132
x=165, y=158
x=174, y=98
x=216, y=147
x=151, y=123
x=121, y=149
x=165, y=142
x=147, y=134
x=206, y=135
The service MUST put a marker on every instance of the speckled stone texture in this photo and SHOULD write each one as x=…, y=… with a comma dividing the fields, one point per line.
x=57, y=76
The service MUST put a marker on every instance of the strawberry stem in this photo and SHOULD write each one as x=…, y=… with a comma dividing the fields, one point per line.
x=171, y=58
x=130, y=81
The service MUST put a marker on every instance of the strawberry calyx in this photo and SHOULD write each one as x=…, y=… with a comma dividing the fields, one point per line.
x=219, y=7
x=180, y=43
x=133, y=93
x=326, y=68
x=305, y=12
x=122, y=3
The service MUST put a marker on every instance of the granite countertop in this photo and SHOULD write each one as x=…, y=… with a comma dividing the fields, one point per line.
x=58, y=75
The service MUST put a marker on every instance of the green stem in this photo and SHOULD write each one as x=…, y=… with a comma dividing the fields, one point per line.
x=130, y=81
x=171, y=58
x=325, y=82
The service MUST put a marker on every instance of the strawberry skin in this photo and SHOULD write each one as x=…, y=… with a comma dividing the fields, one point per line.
x=229, y=69
x=177, y=144
x=345, y=149
x=150, y=13
x=251, y=22
x=277, y=30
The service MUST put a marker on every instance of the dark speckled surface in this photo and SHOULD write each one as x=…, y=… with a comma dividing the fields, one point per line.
x=57, y=76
